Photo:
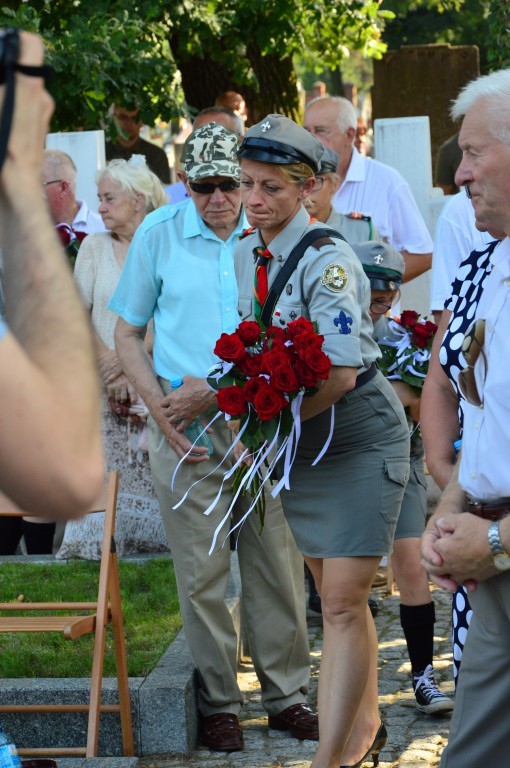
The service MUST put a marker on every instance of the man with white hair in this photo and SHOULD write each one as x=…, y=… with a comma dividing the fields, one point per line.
x=369, y=188
x=467, y=540
x=59, y=184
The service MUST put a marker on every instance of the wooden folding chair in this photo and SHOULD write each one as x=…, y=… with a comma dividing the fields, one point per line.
x=106, y=610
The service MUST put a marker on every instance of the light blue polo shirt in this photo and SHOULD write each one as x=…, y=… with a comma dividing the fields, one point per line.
x=3, y=328
x=179, y=272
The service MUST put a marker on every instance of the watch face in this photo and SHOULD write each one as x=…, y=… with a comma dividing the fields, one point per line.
x=501, y=562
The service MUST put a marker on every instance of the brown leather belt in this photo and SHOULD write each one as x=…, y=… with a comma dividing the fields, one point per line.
x=493, y=509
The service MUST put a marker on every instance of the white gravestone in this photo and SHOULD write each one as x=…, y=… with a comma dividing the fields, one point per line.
x=404, y=143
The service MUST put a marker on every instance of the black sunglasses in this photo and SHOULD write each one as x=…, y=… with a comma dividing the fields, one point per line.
x=209, y=188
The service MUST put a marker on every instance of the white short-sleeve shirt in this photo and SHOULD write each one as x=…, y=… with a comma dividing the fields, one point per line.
x=381, y=192
x=456, y=236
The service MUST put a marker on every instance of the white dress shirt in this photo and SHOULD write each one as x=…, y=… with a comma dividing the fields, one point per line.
x=378, y=190
x=484, y=469
x=456, y=236
x=87, y=221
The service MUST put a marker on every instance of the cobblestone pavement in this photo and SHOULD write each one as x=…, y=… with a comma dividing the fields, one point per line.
x=415, y=740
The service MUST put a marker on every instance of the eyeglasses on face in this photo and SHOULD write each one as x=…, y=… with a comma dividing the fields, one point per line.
x=208, y=188
x=472, y=348
x=54, y=181
x=379, y=308
x=319, y=183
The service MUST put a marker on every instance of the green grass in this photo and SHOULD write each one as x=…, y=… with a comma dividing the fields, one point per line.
x=150, y=608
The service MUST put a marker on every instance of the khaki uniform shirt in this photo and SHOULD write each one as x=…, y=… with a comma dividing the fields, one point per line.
x=328, y=286
x=354, y=230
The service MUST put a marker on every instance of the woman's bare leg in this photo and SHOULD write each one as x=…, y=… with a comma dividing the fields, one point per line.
x=348, y=698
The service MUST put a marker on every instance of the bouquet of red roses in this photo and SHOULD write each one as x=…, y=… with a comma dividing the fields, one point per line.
x=261, y=378
x=406, y=349
x=71, y=240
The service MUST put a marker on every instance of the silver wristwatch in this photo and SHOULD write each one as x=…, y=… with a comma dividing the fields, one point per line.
x=500, y=558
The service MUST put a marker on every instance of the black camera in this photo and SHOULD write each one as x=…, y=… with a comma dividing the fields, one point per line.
x=9, y=50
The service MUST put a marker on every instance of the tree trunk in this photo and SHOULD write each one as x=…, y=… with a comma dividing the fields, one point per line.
x=277, y=86
x=203, y=79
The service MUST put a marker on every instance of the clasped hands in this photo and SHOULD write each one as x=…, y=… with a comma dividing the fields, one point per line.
x=455, y=550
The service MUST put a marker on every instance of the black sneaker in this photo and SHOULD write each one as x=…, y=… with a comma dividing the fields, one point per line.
x=429, y=698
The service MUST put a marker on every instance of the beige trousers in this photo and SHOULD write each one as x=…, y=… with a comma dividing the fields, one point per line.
x=273, y=600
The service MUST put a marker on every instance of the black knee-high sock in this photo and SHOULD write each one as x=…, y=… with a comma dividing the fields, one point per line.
x=10, y=534
x=38, y=537
x=418, y=624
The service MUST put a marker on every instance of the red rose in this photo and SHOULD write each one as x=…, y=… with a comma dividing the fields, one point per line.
x=421, y=336
x=231, y=400
x=229, y=347
x=274, y=360
x=291, y=353
x=268, y=403
x=305, y=376
x=80, y=236
x=431, y=327
x=318, y=361
x=249, y=332
x=252, y=386
x=275, y=333
x=65, y=234
x=284, y=380
x=301, y=325
x=251, y=365
x=305, y=340
x=409, y=318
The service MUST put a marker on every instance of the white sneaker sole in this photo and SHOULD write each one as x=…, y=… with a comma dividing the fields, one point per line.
x=438, y=707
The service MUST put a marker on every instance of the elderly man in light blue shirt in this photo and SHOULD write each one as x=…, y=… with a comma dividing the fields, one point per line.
x=180, y=272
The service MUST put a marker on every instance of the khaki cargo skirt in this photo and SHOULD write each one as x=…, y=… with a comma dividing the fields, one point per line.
x=348, y=504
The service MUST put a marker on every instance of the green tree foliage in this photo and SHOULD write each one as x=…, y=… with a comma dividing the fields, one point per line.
x=457, y=22
x=151, y=53
x=499, y=31
x=99, y=52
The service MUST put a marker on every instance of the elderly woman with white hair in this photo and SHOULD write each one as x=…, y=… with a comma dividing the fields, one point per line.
x=127, y=191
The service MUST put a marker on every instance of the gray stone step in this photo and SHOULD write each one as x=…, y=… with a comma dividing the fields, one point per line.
x=163, y=705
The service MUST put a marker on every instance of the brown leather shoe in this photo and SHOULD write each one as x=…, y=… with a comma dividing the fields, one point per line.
x=299, y=719
x=222, y=732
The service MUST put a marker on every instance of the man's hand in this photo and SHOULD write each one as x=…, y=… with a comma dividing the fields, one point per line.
x=33, y=109
x=121, y=392
x=187, y=402
x=109, y=366
x=451, y=505
x=178, y=441
x=464, y=547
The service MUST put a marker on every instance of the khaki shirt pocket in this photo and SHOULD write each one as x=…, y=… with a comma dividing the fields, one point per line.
x=245, y=308
x=286, y=311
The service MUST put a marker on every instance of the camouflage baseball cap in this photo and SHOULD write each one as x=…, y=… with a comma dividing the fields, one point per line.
x=383, y=265
x=211, y=151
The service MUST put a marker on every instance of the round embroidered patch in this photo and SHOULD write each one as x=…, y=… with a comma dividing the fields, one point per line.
x=334, y=278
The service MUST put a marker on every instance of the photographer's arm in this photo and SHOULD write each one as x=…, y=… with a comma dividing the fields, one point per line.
x=50, y=443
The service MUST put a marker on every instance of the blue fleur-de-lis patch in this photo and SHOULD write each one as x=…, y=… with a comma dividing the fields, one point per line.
x=343, y=322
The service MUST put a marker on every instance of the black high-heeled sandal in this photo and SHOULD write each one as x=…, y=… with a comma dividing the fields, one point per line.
x=9, y=51
x=381, y=737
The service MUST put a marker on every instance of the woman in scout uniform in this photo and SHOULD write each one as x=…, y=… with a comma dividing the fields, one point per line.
x=343, y=511
x=384, y=267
